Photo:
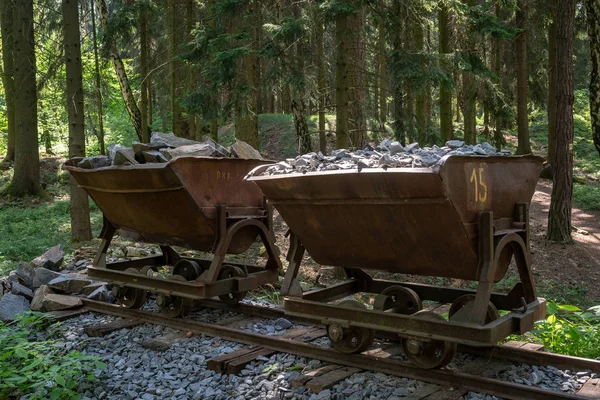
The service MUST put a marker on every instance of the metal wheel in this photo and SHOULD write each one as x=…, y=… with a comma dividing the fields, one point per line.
x=175, y=306
x=130, y=297
x=398, y=299
x=428, y=353
x=228, y=272
x=190, y=270
x=353, y=339
x=460, y=302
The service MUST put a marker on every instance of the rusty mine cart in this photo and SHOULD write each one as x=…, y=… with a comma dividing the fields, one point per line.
x=464, y=219
x=197, y=203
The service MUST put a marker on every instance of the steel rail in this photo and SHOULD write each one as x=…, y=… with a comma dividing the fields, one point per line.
x=391, y=367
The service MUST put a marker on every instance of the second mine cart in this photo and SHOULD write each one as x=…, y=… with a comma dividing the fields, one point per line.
x=465, y=219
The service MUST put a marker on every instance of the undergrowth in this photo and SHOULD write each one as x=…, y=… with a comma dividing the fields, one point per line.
x=569, y=330
x=39, y=369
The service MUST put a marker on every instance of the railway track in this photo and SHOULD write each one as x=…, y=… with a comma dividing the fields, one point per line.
x=450, y=383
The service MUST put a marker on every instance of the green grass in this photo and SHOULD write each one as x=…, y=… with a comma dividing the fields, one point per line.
x=587, y=196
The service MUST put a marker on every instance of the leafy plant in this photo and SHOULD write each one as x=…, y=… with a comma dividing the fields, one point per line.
x=40, y=369
x=569, y=330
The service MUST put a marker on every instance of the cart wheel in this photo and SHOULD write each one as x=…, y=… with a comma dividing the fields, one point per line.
x=227, y=272
x=148, y=270
x=399, y=300
x=176, y=306
x=428, y=353
x=189, y=269
x=353, y=339
x=129, y=297
x=460, y=302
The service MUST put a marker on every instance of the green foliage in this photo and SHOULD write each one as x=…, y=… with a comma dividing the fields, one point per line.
x=41, y=370
x=587, y=196
x=569, y=330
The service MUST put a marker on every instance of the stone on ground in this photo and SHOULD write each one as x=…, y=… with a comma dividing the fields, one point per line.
x=43, y=276
x=38, y=297
x=11, y=305
x=52, y=259
x=100, y=294
x=89, y=289
x=21, y=290
x=57, y=302
x=25, y=273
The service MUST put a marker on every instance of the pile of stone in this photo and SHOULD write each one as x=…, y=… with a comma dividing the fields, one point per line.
x=388, y=154
x=42, y=285
x=164, y=147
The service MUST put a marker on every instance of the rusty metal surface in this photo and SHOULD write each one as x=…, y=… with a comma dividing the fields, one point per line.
x=403, y=220
x=392, y=367
x=174, y=203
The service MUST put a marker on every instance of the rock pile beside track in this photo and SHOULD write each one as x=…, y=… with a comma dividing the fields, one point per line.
x=164, y=147
x=387, y=155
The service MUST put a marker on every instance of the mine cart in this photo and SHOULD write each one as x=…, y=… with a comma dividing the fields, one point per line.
x=466, y=218
x=197, y=203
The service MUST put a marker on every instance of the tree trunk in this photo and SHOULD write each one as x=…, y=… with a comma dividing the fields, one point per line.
x=97, y=82
x=144, y=73
x=341, y=82
x=320, y=79
x=593, y=18
x=559, y=218
x=496, y=65
x=381, y=74
x=524, y=146
x=470, y=93
x=128, y=98
x=79, y=206
x=552, y=89
x=176, y=29
x=398, y=103
x=445, y=89
x=6, y=24
x=419, y=44
x=356, y=68
x=26, y=178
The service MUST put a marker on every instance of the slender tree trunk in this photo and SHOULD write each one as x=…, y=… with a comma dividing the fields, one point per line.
x=144, y=73
x=445, y=88
x=552, y=89
x=356, y=68
x=593, y=17
x=419, y=44
x=498, y=138
x=381, y=74
x=559, y=218
x=470, y=93
x=6, y=24
x=176, y=29
x=341, y=82
x=398, y=103
x=320, y=79
x=522, y=79
x=97, y=82
x=79, y=206
x=26, y=178
x=128, y=97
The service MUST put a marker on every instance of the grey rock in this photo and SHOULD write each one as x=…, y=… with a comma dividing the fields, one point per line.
x=69, y=283
x=241, y=149
x=43, y=276
x=20, y=290
x=38, y=298
x=11, y=305
x=395, y=148
x=169, y=140
x=51, y=259
x=94, y=162
x=477, y=149
x=220, y=151
x=412, y=147
x=57, y=302
x=124, y=156
x=154, y=156
x=192, y=150
x=89, y=289
x=100, y=294
x=283, y=323
x=455, y=144
x=25, y=274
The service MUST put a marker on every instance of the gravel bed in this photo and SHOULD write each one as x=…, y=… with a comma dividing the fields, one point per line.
x=137, y=371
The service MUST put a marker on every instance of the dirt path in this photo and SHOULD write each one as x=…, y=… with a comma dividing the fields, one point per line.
x=573, y=266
